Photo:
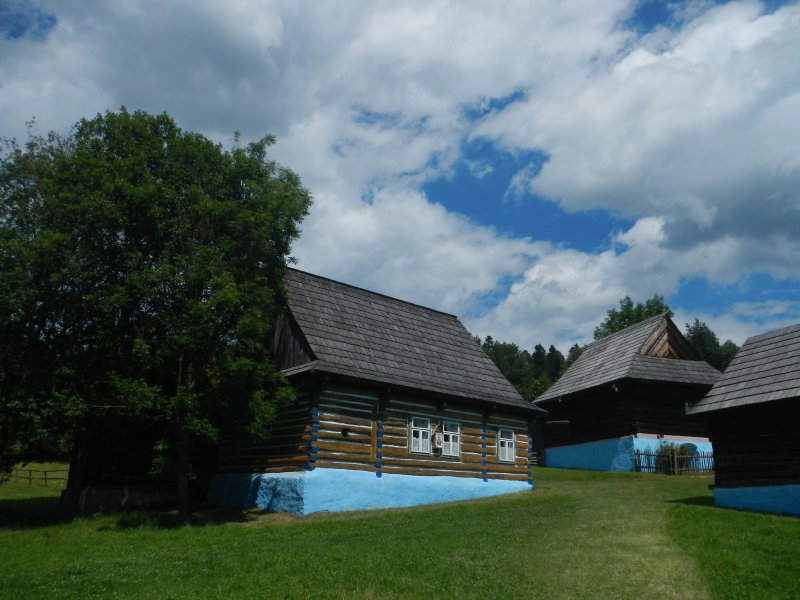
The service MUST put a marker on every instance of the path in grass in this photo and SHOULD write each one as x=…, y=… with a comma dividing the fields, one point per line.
x=612, y=528
x=579, y=535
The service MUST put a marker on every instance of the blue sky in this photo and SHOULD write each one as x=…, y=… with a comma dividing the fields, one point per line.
x=523, y=165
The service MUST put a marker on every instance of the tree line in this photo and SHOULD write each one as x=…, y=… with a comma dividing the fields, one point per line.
x=531, y=373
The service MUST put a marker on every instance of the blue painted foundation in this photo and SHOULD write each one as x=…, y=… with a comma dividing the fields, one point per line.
x=607, y=455
x=780, y=499
x=321, y=490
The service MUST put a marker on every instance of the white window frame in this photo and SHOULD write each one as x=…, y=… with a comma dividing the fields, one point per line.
x=451, y=430
x=506, y=445
x=415, y=425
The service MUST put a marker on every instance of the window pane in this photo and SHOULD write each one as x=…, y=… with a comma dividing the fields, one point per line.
x=420, y=422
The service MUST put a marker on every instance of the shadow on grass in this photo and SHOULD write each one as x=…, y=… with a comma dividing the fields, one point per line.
x=28, y=513
x=694, y=501
x=169, y=519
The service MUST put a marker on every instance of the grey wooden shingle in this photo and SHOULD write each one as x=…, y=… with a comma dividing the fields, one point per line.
x=619, y=356
x=369, y=336
x=766, y=369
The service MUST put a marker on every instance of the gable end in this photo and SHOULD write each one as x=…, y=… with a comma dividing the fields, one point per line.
x=666, y=341
x=289, y=346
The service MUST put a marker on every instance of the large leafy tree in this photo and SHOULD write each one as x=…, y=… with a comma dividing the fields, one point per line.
x=37, y=410
x=629, y=313
x=706, y=344
x=146, y=266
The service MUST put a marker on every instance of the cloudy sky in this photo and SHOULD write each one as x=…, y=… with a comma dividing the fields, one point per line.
x=523, y=165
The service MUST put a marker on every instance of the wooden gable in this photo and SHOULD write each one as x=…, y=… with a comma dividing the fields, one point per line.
x=666, y=341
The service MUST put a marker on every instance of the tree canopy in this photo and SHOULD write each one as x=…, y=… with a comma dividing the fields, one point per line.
x=699, y=335
x=144, y=266
x=629, y=313
x=706, y=344
x=530, y=373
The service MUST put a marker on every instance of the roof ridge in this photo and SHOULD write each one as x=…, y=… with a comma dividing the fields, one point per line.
x=769, y=334
x=626, y=329
x=379, y=294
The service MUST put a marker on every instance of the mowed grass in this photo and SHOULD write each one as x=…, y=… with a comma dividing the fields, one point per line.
x=578, y=535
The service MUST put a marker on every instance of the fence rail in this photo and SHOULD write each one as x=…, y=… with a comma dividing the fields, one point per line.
x=671, y=463
x=39, y=475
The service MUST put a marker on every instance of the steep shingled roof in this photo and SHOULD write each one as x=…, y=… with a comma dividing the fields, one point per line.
x=766, y=369
x=625, y=354
x=369, y=336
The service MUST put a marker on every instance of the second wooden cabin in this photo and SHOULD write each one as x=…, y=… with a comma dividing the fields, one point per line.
x=626, y=392
x=397, y=405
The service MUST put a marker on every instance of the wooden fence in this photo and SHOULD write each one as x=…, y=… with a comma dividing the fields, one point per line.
x=673, y=463
x=37, y=476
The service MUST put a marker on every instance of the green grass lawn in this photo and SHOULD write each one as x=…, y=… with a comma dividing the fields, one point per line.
x=578, y=535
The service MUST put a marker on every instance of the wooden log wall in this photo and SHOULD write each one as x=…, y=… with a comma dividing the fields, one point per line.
x=346, y=429
x=288, y=449
x=478, y=447
x=357, y=428
x=757, y=445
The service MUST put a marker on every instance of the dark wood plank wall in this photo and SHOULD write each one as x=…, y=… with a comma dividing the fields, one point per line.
x=636, y=407
x=659, y=408
x=757, y=445
x=598, y=414
x=286, y=450
x=289, y=347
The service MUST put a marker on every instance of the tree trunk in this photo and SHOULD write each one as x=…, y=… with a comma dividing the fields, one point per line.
x=76, y=479
x=182, y=469
x=182, y=438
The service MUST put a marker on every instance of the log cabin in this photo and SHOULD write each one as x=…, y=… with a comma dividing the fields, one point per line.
x=753, y=415
x=397, y=405
x=626, y=392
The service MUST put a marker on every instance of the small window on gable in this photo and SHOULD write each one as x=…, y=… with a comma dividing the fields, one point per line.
x=505, y=446
x=451, y=432
x=420, y=435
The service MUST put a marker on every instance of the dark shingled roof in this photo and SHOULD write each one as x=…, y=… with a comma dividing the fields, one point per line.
x=619, y=356
x=361, y=334
x=766, y=369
